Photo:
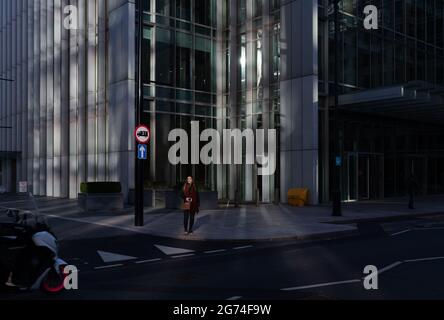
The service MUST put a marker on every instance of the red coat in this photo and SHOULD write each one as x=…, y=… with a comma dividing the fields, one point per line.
x=190, y=191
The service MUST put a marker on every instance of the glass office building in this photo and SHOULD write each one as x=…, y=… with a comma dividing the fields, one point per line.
x=391, y=112
x=246, y=64
x=216, y=62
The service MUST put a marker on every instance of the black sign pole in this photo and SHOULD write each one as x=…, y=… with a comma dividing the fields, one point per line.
x=337, y=210
x=138, y=179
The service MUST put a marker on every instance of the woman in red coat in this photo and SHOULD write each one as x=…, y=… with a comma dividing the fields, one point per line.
x=191, y=204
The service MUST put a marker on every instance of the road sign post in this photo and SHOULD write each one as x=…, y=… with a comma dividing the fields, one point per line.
x=142, y=136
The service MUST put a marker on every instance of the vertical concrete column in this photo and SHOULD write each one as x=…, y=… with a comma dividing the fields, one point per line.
x=50, y=98
x=250, y=180
x=234, y=110
x=268, y=182
x=43, y=97
x=122, y=89
x=57, y=129
x=65, y=106
x=82, y=94
x=31, y=92
x=221, y=77
x=73, y=108
x=36, y=100
x=17, y=106
x=7, y=116
x=299, y=97
x=101, y=91
x=91, y=82
x=18, y=90
x=12, y=74
x=24, y=93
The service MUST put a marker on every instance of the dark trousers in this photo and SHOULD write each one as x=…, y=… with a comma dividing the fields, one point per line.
x=188, y=221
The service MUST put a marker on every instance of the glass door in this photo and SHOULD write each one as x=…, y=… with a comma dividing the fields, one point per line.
x=363, y=177
x=352, y=178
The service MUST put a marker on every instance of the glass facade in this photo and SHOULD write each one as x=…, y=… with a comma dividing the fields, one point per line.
x=179, y=48
x=407, y=46
x=250, y=92
x=380, y=152
x=219, y=62
x=183, y=43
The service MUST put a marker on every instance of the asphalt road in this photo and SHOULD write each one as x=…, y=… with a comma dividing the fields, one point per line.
x=115, y=264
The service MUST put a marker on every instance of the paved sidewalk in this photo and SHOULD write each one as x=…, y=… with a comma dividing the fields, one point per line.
x=267, y=222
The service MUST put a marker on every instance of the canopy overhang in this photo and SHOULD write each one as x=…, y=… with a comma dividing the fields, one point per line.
x=419, y=101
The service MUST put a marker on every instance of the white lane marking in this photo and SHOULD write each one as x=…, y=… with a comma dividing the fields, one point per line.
x=321, y=285
x=10, y=202
x=173, y=251
x=429, y=228
x=215, y=251
x=393, y=265
x=424, y=259
x=401, y=232
x=241, y=248
x=234, y=298
x=108, y=267
x=96, y=223
x=113, y=257
x=16, y=248
x=148, y=261
x=183, y=256
x=9, y=237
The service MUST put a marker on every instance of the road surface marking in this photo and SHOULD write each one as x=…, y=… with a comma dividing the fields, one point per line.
x=148, y=261
x=234, y=298
x=393, y=265
x=108, y=267
x=183, y=256
x=173, y=251
x=241, y=248
x=113, y=257
x=429, y=228
x=425, y=259
x=215, y=251
x=401, y=232
x=100, y=224
x=321, y=285
x=16, y=248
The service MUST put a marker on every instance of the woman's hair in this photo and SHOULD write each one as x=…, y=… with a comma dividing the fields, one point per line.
x=193, y=185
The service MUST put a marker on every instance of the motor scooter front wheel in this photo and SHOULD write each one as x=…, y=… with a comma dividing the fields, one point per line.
x=53, y=283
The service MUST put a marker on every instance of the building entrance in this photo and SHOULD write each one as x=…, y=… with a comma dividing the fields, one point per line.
x=363, y=176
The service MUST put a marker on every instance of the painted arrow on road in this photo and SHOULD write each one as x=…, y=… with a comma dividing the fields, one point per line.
x=113, y=257
x=173, y=251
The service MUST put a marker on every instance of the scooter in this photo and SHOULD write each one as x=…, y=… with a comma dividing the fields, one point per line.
x=29, y=255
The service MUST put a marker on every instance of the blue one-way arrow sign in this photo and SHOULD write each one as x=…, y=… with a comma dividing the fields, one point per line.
x=142, y=152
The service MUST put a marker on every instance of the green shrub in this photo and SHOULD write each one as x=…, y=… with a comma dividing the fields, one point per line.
x=100, y=187
x=156, y=185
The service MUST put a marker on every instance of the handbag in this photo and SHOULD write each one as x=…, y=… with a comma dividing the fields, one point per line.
x=186, y=206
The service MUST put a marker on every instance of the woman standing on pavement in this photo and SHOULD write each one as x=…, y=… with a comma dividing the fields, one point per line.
x=191, y=204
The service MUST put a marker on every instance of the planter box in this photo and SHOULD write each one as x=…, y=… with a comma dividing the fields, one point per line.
x=100, y=201
x=147, y=198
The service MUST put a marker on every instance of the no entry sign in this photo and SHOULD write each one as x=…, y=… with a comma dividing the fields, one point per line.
x=142, y=134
